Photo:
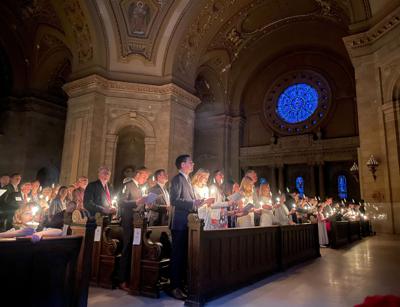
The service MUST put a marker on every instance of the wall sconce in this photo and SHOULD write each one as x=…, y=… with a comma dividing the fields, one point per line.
x=372, y=165
x=354, y=171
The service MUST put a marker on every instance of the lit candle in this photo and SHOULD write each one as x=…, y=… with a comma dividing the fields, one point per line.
x=144, y=191
x=287, y=189
x=114, y=201
x=293, y=206
x=52, y=186
x=47, y=198
x=40, y=188
x=34, y=210
x=41, y=196
x=28, y=199
x=279, y=192
x=124, y=189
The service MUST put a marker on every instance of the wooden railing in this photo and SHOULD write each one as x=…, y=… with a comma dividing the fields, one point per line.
x=344, y=232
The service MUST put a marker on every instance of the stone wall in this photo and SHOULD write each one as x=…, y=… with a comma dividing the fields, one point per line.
x=376, y=59
x=99, y=108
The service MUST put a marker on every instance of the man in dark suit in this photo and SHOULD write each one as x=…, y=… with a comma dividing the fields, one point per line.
x=8, y=201
x=131, y=200
x=183, y=202
x=158, y=213
x=97, y=197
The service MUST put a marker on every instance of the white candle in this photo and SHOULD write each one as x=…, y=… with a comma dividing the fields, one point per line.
x=144, y=191
x=52, y=186
x=34, y=210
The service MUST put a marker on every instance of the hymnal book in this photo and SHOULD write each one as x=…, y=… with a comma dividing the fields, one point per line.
x=248, y=207
x=235, y=197
x=150, y=198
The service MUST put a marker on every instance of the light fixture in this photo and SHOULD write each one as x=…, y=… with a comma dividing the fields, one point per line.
x=354, y=170
x=372, y=165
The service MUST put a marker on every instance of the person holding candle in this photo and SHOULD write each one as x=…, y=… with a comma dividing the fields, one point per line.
x=159, y=211
x=59, y=202
x=183, y=202
x=265, y=202
x=131, y=200
x=217, y=192
x=35, y=190
x=322, y=232
x=14, y=201
x=245, y=216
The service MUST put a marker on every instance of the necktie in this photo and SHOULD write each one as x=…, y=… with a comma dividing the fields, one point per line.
x=108, y=195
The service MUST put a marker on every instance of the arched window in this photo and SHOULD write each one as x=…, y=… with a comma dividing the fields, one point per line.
x=300, y=185
x=342, y=186
x=297, y=103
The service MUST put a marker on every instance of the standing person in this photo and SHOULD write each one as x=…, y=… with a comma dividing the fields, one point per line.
x=81, y=185
x=159, y=211
x=58, y=204
x=8, y=200
x=183, y=202
x=97, y=197
x=131, y=200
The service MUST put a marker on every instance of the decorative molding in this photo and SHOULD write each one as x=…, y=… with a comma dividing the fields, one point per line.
x=300, y=149
x=391, y=111
x=97, y=83
x=368, y=38
x=80, y=30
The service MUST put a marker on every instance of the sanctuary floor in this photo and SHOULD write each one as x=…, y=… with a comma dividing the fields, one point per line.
x=341, y=277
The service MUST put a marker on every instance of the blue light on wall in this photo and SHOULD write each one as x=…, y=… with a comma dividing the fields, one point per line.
x=342, y=187
x=300, y=185
x=297, y=103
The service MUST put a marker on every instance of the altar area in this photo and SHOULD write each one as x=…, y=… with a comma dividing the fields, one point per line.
x=340, y=277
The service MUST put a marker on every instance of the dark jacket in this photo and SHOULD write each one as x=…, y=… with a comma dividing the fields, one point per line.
x=182, y=199
x=158, y=213
x=95, y=197
x=129, y=195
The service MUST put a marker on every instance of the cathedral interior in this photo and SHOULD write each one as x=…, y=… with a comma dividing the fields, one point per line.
x=305, y=92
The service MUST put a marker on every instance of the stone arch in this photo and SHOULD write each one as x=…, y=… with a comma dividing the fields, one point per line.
x=137, y=121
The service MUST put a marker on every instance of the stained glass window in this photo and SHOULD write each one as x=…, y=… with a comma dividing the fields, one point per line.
x=342, y=187
x=297, y=103
x=300, y=185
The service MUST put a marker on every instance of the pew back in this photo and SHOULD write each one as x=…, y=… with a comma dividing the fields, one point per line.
x=40, y=274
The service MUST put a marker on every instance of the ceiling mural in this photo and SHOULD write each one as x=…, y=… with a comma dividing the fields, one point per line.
x=80, y=29
x=138, y=24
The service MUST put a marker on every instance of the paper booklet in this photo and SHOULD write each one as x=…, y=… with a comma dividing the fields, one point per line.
x=248, y=207
x=2, y=191
x=235, y=197
x=150, y=198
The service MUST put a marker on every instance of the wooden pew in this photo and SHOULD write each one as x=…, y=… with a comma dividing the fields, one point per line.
x=105, y=254
x=221, y=261
x=339, y=234
x=298, y=243
x=354, y=231
x=150, y=258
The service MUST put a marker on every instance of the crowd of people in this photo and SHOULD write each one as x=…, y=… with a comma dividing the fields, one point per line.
x=249, y=203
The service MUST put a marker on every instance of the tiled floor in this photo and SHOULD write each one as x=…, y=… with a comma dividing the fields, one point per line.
x=341, y=277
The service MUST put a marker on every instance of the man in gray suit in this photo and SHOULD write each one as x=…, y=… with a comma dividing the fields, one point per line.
x=158, y=213
x=183, y=202
x=131, y=200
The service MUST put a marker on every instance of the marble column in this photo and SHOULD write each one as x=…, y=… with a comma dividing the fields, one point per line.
x=321, y=180
x=236, y=135
x=376, y=61
x=281, y=178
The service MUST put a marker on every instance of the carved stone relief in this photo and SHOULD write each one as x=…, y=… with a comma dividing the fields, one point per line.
x=138, y=24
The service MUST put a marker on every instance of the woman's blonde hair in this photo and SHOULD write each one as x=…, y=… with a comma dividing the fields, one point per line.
x=265, y=189
x=246, y=186
x=198, y=176
x=18, y=215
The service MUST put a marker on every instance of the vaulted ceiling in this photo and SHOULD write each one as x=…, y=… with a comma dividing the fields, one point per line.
x=159, y=41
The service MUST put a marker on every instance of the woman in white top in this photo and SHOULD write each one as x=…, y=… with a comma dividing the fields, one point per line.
x=245, y=218
x=209, y=212
x=267, y=214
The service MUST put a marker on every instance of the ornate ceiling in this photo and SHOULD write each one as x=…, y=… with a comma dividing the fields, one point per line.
x=159, y=41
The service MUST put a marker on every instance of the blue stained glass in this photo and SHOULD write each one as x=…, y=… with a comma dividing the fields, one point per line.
x=342, y=187
x=297, y=103
x=300, y=185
